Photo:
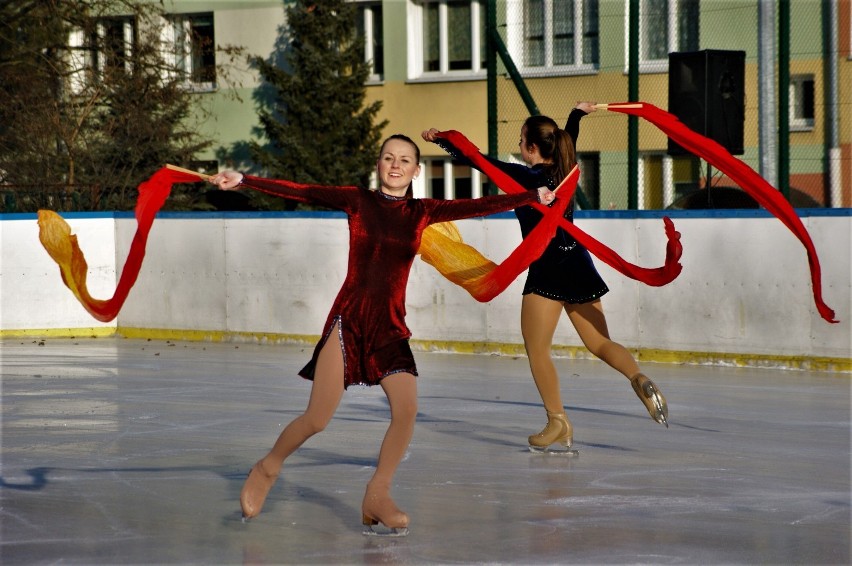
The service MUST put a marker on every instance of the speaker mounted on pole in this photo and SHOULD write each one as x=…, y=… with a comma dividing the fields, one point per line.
x=707, y=94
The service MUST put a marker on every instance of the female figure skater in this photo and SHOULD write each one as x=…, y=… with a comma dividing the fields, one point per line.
x=365, y=339
x=563, y=278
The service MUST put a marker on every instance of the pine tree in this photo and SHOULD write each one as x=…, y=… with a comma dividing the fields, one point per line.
x=316, y=122
x=79, y=135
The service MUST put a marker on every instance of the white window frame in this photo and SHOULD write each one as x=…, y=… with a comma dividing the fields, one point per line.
x=128, y=37
x=178, y=29
x=449, y=176
x=86, y=60
x=417, y=44
x=667, y=180
x=799, y=123
x=652, y=65
x=80, y=61
x=515, y=40
x=369, y=8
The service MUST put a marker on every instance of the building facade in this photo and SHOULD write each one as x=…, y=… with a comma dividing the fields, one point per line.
x=429, y=70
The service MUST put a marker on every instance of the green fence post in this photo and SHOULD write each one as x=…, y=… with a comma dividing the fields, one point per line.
x=633, y=96
x=784, y=98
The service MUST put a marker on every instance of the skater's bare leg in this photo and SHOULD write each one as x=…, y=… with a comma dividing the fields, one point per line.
x=326, y=392
x=590, y=322
x=539, y=317
x=401, y=391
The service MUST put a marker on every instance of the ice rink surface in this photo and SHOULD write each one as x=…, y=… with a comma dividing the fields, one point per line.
x=122, y=451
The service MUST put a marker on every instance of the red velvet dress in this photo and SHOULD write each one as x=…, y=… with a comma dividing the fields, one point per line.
x=384, y=236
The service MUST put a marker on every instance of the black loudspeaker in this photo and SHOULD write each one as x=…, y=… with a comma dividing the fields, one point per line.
x=707, y=94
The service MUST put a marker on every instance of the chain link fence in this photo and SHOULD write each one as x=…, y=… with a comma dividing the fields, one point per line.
x=572, y=51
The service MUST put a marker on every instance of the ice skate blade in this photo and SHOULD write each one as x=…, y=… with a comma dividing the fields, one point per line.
x=554, y=451
x=369, y=531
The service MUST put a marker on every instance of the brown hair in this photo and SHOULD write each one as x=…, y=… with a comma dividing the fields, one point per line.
x=554, y=144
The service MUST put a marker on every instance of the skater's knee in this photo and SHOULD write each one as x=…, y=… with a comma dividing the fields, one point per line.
x=313, y=423
x=404, y=410
x=537, y=352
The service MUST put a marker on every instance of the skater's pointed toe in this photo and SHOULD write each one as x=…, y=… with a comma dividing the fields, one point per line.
x=255, y=489
x=651, y=397
x=557, y=430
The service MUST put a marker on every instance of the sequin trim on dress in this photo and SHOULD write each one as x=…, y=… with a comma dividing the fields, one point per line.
x=390, y=197
x=412, y=371
x=560, y=298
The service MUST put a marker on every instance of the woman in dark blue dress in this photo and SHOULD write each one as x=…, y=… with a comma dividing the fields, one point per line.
x=563, y=278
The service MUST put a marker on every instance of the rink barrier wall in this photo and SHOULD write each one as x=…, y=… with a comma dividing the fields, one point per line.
x=743, y=299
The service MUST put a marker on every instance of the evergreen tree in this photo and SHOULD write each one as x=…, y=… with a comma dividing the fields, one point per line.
x=316, y=123
x=87, y=115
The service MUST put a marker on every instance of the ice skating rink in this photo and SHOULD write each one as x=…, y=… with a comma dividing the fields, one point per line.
x=120, y=451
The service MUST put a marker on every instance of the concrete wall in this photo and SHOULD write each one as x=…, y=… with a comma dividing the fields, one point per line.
x=744, y=293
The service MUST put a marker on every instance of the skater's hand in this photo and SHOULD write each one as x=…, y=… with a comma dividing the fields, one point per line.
x=545, y=195
x=227, y=180
x=431, y=134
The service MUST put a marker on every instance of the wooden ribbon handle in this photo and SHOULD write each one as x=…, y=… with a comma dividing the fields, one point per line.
x=188, y=171
x=565, y=180
x=606, y=106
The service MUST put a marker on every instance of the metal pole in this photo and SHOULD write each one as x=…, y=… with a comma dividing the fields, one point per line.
x=831, y=171
x=633, y=96
x=514, y=74
x=766, y=91
x=491, y=68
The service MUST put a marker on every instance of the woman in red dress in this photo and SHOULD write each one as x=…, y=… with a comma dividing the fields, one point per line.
x=369, y=342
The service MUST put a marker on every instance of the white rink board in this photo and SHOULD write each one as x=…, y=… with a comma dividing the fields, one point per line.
x=745, y=286
x=32, y=294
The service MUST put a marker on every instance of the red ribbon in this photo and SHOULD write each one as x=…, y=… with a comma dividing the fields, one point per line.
x=651, y=276
x=743, y=175
x=62, y=246
x=56, y=237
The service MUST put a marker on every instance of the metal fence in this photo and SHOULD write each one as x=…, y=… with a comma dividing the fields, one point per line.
x=60, y=197
x=570, y=51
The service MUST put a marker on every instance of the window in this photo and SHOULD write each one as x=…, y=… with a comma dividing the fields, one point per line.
x=449, y=38
x=192, y=49
x=446, y=179
x=685, y=177
x=553, y=35
x=665, y=26
x=665, y=179
x=117, y=37
x=802, y=102
x=590, y=183
x=368, y=25
x=80, y=60
x=107, y=50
